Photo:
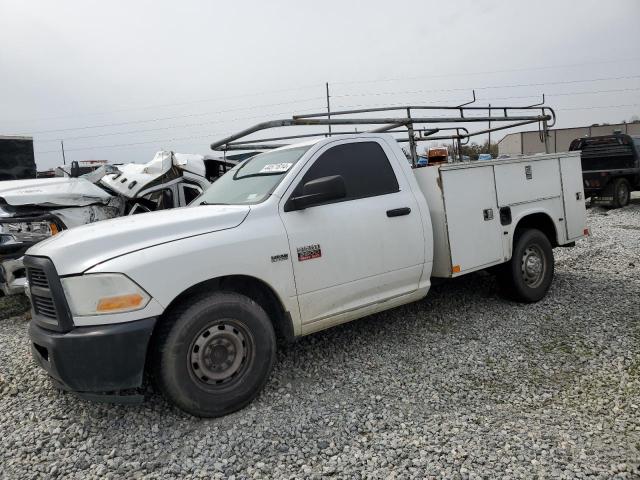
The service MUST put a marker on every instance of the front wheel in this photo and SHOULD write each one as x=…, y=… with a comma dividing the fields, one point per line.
x=214, y=355
x=528, y=275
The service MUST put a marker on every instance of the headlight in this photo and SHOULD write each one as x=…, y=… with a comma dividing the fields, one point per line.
x=100, y=293
x=30, y=231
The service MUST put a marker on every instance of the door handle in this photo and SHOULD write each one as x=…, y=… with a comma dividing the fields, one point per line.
x=398, y=212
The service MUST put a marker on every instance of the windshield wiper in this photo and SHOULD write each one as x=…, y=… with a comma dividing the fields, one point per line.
x=207, y=203
x=259, y=174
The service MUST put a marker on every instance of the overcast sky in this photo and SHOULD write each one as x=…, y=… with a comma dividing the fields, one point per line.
x=119, y=80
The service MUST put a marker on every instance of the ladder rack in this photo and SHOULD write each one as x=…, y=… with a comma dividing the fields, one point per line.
x=409, y=120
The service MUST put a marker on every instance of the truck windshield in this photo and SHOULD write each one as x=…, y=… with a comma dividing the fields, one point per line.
x=253, y=180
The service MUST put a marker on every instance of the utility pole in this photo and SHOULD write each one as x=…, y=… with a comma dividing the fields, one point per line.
x=328, y=108
x=64, y=161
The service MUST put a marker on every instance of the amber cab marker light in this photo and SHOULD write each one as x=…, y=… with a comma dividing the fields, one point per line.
x=119, y=302
x=455, y=269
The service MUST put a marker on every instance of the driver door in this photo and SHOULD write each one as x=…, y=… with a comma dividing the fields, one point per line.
x=356, y=251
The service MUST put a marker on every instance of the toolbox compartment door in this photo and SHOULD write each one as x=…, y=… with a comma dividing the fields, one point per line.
x=473, y=220
x=524, y=182
x=573, y=197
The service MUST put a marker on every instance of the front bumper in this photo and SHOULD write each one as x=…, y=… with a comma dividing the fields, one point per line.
x=104, y=360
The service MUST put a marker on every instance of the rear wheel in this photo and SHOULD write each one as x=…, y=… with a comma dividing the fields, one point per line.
x=621, y=192
x=528, y=275
x=215, y=355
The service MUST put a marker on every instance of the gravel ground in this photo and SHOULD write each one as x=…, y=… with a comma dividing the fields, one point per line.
x=460, y=385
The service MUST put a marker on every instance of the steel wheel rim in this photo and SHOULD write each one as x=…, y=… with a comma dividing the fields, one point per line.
x=622, y=194
x=220, y=354
x=533, y=266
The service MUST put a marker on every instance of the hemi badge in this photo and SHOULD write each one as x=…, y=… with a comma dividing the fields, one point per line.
x=309, y=252
x=279, y=258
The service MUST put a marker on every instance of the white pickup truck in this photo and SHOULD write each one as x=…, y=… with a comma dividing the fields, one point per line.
x=288, y=243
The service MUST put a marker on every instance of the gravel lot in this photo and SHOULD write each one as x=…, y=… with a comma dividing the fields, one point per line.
x=460, y=385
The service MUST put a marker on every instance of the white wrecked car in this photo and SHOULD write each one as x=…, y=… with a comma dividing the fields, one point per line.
x=32, y=210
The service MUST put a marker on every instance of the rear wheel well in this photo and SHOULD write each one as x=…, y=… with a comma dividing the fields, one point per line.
x=250, y=287
x=614, y=178
x=539, y=221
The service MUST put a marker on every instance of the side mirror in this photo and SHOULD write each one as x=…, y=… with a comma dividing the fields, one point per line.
x=75, y=169
x=318, y=191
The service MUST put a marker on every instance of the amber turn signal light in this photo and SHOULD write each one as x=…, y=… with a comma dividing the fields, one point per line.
x=120, y=302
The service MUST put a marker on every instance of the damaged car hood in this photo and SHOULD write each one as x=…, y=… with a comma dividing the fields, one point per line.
x=133, y=178
x=52, y=192
x=78, y=249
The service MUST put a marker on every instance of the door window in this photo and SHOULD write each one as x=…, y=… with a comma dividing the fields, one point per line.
x=364, y=167
x=159, y=200
x=191, y=192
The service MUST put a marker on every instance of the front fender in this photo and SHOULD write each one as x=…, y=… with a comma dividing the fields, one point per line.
x=168, y=269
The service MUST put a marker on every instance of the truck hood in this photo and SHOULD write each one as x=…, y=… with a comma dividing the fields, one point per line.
x=52, y=192
x=78, y=249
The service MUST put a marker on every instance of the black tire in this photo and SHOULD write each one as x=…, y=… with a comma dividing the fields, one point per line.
x=528, y=275
x=214, y=356
x=621, y=193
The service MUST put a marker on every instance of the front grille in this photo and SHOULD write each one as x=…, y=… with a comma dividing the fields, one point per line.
x=38, y=278
x=49, y=306
x=41, y=296
x=44, y=306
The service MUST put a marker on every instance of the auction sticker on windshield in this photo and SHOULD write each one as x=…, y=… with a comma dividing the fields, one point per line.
x=276, y=167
